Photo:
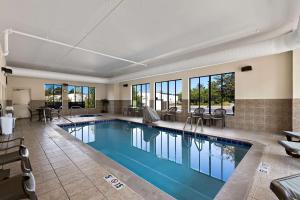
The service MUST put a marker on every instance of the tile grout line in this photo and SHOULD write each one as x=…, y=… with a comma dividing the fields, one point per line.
x=53, y=168
x=76, y=164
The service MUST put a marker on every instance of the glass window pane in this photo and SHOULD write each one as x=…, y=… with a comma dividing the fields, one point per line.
x=85, y=96
x=78, y=94
x=194, y=93
x=48, y=93
x=144, y=95
x=158, y=96
x=228, y=92
x=57, y=91
x=179, y=94
x=92, y=92
x=134, y=95
x=148, y=94
x=216, y=95
x=204, y=93
x=164, y=91
x=71, y=93
x=138, y=95
x=172, y=95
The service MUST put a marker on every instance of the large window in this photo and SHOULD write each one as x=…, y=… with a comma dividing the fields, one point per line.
x=53, y=94
x=212, y=92
x=140, y=95
x=168, y=94
x=82, y=96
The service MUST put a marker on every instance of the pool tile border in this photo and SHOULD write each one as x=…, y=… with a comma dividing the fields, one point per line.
x=202, y=136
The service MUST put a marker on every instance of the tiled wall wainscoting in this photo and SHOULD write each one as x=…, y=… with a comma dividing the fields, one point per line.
x=262, y=114
x=296, y=114
x=251, y=114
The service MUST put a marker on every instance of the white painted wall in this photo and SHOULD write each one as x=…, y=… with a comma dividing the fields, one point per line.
x=271, y=78
x=296, y=74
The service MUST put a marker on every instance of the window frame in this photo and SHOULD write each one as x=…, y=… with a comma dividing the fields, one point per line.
x=53, y=103
x=209, y=90
x=168, y=92
x=82, y=102
x=141, y=98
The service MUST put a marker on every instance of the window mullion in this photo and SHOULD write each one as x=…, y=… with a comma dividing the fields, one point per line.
x=209, y=95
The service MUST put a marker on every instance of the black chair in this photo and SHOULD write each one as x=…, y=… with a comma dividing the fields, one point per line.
x=171, y=112
x=198, y=113
x=20, y=186
x=219, y=115
x=32, y=113
x=21, y=153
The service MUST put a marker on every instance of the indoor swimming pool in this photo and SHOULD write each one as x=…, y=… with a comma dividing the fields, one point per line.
x=184, y=165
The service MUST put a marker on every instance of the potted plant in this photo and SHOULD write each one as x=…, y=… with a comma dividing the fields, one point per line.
x=105, y=103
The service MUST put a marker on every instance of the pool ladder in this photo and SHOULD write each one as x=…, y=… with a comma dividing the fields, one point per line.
x=189, y=119
x=73, y=123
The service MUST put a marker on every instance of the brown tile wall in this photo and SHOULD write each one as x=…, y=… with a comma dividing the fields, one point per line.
x=296, y=114
x=115, y=106
x=254, y=114
x=262, y=115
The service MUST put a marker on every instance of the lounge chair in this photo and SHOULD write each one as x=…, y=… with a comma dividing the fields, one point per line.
x=291, y=148
x=171, y=112
x=19, y=186
x=21, y=153
x=150, y=115
x=287, y=188
x=292, y=134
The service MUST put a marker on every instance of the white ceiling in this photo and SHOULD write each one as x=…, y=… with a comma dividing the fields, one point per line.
x=155, y=32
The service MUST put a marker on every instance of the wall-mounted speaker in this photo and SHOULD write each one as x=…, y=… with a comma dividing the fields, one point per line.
x=125, y=85
x=246, y=68
x=6, y=70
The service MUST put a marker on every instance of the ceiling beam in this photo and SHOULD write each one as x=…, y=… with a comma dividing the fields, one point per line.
x=11, y=31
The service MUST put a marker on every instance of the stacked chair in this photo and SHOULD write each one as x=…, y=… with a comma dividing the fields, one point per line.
x=288, y=188
x=292, y=144
x=18, y=186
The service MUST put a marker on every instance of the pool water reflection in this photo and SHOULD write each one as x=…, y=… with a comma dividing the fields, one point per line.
x=185, y=166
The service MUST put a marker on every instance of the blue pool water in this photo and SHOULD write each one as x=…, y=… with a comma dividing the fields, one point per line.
x=183, y=165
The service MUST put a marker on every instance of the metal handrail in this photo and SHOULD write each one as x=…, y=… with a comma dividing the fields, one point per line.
x=186, y=121
x=73, y=123
x=199, y=120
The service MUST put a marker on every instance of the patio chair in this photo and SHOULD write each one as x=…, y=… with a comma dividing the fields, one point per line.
x=171, y=112
x=32, y=113
x=219, y=115
x=287, y=188
x=198, y=113
x=19, y=187
x=291, y=148
x=292, y=134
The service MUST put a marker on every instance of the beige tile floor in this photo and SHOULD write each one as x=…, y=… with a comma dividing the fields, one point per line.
x=65, y=171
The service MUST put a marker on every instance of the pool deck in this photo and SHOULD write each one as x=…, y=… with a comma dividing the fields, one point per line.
x=65, y=168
